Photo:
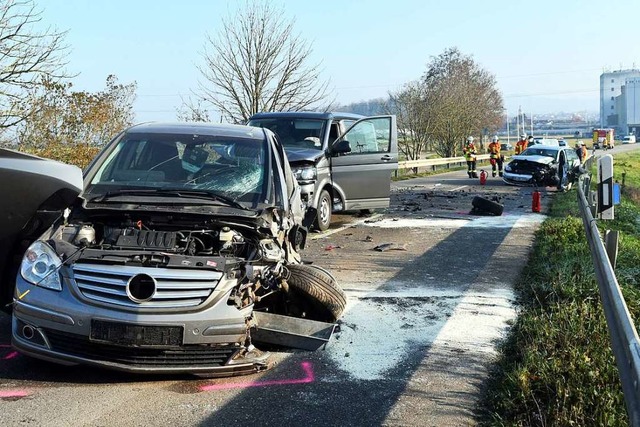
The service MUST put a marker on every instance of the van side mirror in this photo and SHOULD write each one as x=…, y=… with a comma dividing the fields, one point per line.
x=341, y=146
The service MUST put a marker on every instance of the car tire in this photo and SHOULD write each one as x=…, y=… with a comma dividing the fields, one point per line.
x=315, y=293
x=486, y=205
x=324, y=208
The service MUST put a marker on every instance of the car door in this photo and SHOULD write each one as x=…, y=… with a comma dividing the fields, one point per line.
x=572, y=158
x=362, y=161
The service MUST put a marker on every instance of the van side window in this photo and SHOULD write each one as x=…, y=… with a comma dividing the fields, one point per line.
x=369, y=136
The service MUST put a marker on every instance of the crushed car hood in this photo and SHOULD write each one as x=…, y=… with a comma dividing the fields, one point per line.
x=535, y=159
x=296, y=154
x=30, y=184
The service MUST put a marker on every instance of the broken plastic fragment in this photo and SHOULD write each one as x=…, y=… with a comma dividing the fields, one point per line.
x=390, y=247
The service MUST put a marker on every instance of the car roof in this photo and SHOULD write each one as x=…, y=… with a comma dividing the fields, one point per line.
x=548, y=147
x=308, y=115
x=199, y=128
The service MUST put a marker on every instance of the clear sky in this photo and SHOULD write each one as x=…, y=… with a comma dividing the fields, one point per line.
x=547, y=56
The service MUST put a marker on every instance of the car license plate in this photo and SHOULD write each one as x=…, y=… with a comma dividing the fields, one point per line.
x=136, y=335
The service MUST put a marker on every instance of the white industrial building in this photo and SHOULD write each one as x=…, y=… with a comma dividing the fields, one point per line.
x=620, y=101
x=632, y=105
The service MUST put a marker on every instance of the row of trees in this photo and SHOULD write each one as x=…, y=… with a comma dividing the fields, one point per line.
x=255, y=62
x=455, y=98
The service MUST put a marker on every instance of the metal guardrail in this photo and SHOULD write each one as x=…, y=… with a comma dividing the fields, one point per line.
x=624, y=338
x=408, y=164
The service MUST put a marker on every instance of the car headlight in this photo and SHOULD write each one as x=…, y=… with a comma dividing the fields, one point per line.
x=305, y=174
x=40, y=266
x=507, y=168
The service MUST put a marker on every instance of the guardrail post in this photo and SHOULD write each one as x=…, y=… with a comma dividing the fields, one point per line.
x=611, y=245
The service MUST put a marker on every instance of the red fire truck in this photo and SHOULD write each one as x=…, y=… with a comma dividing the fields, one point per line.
x=603, y=138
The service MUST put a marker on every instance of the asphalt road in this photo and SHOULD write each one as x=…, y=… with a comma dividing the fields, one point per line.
x=413, y=347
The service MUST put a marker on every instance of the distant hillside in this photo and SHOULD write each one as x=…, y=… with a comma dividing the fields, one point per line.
x=371, y=107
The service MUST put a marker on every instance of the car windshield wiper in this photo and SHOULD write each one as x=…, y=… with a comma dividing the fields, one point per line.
x=205, y=194
x=169, y=193
x=122, y=192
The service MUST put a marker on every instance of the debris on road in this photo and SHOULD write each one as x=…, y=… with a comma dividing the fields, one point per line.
x=482, y=206
x=331, y=247
x=390, y=247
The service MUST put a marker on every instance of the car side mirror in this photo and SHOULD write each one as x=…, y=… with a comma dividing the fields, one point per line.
x=341, y=146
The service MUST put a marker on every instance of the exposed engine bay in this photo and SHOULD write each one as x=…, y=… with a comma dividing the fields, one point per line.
x=160, y=239
x=261, y=265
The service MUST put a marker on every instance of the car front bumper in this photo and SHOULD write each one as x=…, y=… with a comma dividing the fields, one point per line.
x=517, y=179
x=66, y=328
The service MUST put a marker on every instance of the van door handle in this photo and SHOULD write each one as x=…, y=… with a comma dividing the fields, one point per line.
x=386, y=158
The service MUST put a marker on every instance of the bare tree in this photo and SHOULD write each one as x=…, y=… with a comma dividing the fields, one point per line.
x=28, y=56
x=411, y=109
x=256, y=63
x=463, y=100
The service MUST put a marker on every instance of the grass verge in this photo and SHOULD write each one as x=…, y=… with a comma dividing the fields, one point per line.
x=556, y=367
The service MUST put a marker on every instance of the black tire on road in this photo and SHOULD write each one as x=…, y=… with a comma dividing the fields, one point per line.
x=319, y=296
x=486, y=205
x=323, y=216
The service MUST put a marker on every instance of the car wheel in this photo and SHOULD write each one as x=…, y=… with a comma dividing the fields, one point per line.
x=486, y=205
x=315, y=294
x=323, y=217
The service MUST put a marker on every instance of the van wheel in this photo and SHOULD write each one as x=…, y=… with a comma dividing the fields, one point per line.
x=315, y=294
x=323, y=217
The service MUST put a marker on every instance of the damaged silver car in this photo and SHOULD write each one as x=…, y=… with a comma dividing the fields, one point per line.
x=184, y=238
x=543, y=165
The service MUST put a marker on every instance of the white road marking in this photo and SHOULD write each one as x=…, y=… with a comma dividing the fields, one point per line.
x=459, y=188
x=504, y=221
x=380, y=327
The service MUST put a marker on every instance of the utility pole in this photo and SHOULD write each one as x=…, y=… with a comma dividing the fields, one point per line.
x=508, y=141
x=518, y=121
x=532, y=123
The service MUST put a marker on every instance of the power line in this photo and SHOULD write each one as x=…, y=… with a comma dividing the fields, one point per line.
x=522, y=95
x=549, y=73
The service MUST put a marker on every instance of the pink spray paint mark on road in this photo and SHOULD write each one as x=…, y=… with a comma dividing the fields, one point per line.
x=308, y=378
x=11, y=353
x=13, y=394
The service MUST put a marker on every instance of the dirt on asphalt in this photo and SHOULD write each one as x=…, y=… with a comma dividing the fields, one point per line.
x=429, y=275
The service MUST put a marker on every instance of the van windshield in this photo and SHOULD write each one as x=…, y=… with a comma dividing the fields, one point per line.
x=294, y=132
